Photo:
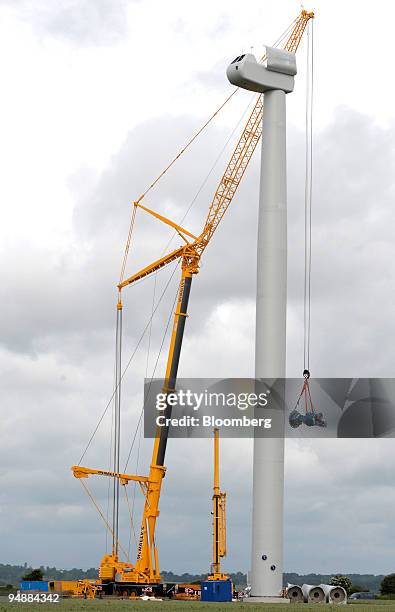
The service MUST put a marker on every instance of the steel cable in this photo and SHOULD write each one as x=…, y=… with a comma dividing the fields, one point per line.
x=308, y=199
x=128, y=364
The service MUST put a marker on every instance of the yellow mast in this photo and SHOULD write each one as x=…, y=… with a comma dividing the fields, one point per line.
x=219, y=518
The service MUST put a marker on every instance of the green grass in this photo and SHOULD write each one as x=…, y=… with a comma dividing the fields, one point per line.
x=75, y=605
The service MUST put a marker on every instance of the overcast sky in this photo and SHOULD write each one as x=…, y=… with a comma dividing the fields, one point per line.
x=97, y=96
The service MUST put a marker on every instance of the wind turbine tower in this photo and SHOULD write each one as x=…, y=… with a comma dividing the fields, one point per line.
x=274, y=80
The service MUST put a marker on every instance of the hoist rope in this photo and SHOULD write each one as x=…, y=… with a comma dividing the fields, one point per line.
x=182, y=151
x=210, y=172
x=194, y=137
x=307, y=397
x=131, y=519
x=117, y=423
x=110, y=459
x=131, y=511
x=209, y=120
x=139, y=426
x=200, y=130
x=137, y=466
x=150, y=327
x=192, y=203
x=127, y=247
x=128, y=363
x=152, y=376
x=103, y=517
x=308, y=197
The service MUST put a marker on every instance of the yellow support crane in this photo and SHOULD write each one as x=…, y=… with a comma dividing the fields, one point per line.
x=219, y=519
x=126, y=577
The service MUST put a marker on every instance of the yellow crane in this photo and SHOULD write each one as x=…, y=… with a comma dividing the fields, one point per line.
x=219, y=519
x=124, y=575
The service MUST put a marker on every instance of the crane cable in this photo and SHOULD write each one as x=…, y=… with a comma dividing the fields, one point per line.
x=308, y=201
x=208, y=175
x=96, y=505
x=152, y=377
x=139, y=422
x=295, y=418
x=133, y=217
x=88, y=492
x=128, y=240
x=139, y=426
x=209, y=120
x=128, y=363
x=131, y=520
x=182, y=151
x=110, y=457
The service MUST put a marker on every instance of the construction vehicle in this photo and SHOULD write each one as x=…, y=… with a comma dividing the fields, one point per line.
x=125, y=577
x=187, y=592
x=87, y=589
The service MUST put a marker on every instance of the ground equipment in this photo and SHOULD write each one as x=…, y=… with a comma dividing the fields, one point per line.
x=216, y=590
x=334, y=594
x=187, y=592
x=218, y=586
x=313, y=594
x=294, y=593
x=219, y=519
x=87, y=589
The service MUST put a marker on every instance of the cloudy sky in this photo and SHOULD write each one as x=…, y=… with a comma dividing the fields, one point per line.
x=97, y=96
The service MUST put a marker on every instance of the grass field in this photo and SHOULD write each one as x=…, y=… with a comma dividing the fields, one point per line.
x=75, y=605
